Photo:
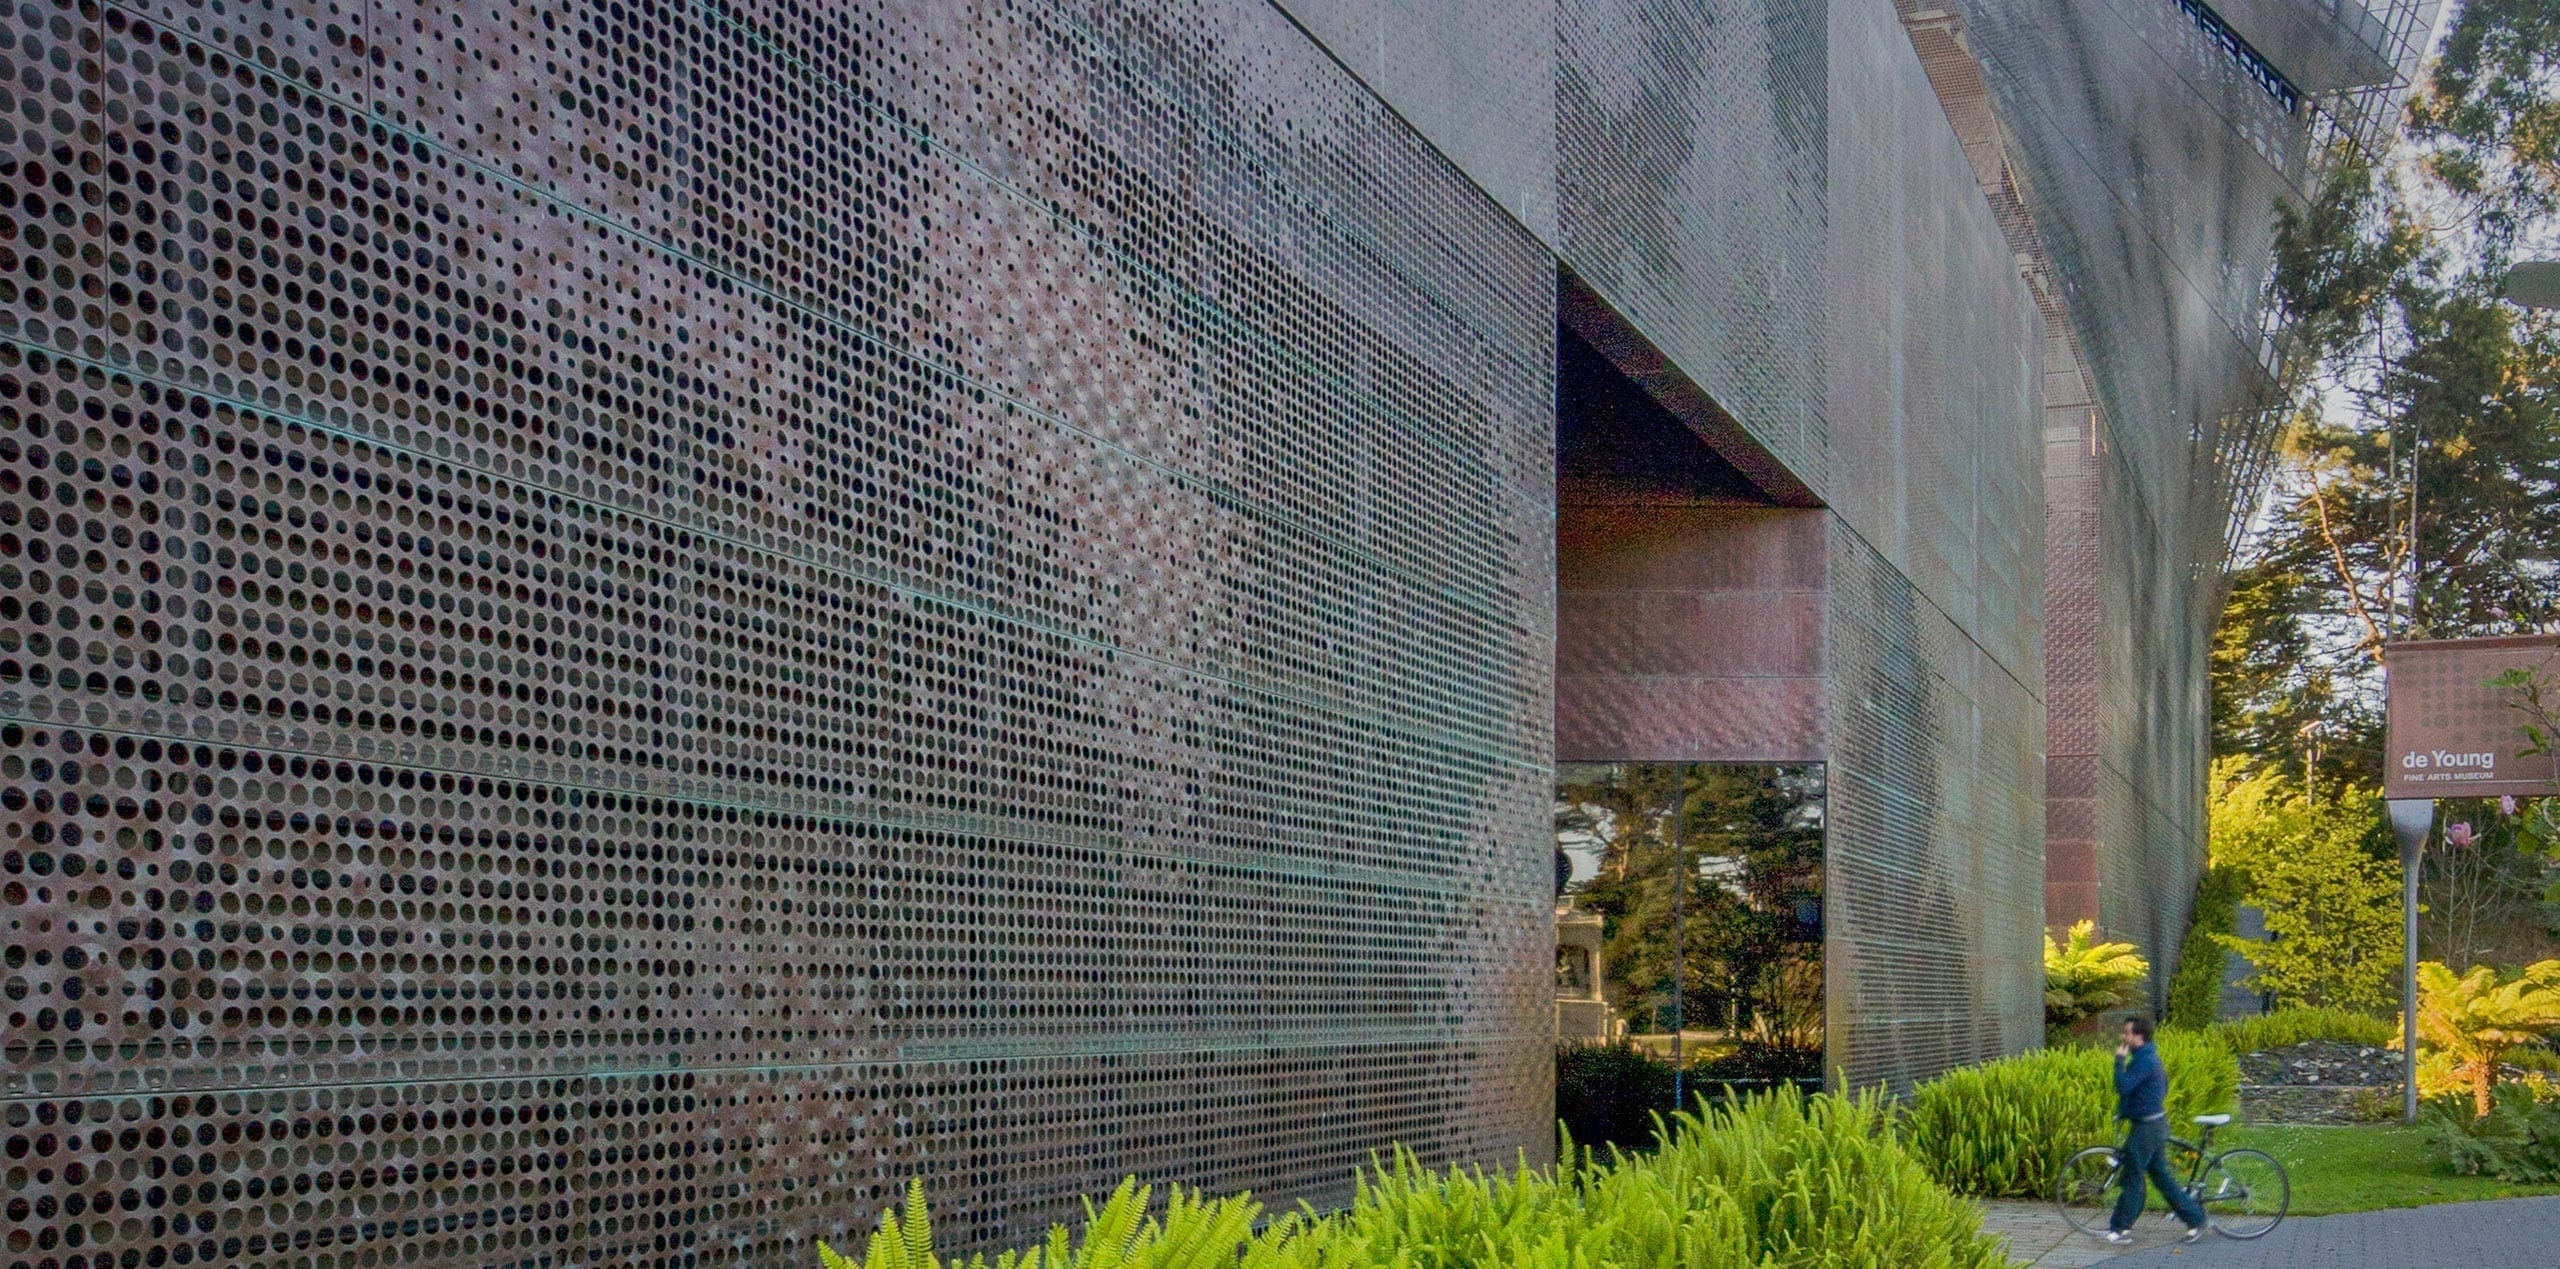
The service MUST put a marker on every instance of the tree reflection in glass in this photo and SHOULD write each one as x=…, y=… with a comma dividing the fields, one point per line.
x=1712, y=918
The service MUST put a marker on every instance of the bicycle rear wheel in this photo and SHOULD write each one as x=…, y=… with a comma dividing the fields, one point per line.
x=2086, y=1188
x=2245, y=1192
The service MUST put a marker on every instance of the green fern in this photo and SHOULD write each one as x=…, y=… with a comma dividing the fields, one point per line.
x=1779, y=1181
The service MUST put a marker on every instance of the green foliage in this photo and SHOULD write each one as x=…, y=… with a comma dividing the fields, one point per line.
x=1192, y=1233
x=2532, y=825
x=2195, y=990
x=2423, y=423
x=2204, y=1075
x=2475, y=1019
x=2516, y=1139
x=2539, y=1059
x=2489, y=120
x=1611, y=1095
x=1781, y=1181
x=1744, y=951
x=2000, y=1128
x=2299, y=1024
x=2084, y=978
x=2332, y=903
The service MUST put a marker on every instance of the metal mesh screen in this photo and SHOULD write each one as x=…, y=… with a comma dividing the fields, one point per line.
x=1691, y=147
x=625, y=626
x=2153, y=160
x=2153, y=182
x=1937, y=717
x=1772, y=195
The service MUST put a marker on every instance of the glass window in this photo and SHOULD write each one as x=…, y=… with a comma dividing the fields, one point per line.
x=1694, y=903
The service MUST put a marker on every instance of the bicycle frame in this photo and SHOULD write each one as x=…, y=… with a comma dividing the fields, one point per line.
x=2084, y=1211
x=2203, y=1155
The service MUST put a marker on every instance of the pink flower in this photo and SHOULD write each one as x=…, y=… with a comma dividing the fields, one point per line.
x=2458, y=834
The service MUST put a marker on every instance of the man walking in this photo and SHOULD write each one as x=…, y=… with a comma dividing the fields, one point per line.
x=2142, y=1095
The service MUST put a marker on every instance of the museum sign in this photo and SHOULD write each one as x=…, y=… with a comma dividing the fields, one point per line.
x=2461, y=716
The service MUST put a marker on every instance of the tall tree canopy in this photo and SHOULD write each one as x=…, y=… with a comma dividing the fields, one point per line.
x=2418, y=493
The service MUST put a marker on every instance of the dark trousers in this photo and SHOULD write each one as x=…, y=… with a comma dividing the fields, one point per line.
x=2145, y=1155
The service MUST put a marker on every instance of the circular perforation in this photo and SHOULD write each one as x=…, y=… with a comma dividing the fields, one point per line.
x=622, y=627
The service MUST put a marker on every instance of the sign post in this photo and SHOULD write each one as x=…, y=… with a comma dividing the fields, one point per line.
x=2411, y=820
x=2456, y=723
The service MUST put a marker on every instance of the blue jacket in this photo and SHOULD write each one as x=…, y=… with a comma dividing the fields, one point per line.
x=2142, y=1084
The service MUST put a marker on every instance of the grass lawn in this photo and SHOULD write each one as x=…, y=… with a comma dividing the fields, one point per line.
x=2366, y=1167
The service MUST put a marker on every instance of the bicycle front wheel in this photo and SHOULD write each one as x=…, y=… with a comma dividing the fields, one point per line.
x=2245, y=1192
x=2086, y=1188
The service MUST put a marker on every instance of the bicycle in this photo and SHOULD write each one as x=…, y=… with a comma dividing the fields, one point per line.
x=2244, y=1192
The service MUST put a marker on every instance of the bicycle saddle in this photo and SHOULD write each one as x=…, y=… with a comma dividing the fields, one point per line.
x=2213, y=1121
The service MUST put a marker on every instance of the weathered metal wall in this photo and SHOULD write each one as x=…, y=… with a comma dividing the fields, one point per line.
x=2153, y=156
x=1691, y=144
x=625, y=626
x=2153, y=185
x=622, y=627
x=1772, y=196
x=1934, y=374
x=1795, y=225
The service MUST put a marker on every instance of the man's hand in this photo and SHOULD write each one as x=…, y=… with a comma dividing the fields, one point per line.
x=2123, y=1050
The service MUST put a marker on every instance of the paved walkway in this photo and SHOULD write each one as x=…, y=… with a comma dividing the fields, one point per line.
x=2037, y=1236
x=2523, y=1233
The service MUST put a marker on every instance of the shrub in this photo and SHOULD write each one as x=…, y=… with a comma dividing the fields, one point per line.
x=2303, y=1023
x=2204, y=1076
x=2517, y=1140
x=1193, y=1233
x=2002, y=1127
x=2541, y=1059
x=2332, y=902
x=2477, y=1019
x=2084, y=978
x=1608, y=1095
x=1774, y=1181
x=2195, y=990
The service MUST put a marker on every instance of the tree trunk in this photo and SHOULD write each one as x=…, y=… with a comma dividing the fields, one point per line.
x=2484, y=1074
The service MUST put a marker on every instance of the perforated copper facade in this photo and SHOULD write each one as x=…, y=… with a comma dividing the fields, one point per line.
x=628, y=625
x=2151, y=188
x=624, y=626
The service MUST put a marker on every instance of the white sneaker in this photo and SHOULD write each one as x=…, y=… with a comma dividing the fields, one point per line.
x=2117, y=1236
x=2193, y=1233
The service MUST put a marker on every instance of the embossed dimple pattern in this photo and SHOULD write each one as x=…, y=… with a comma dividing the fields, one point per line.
x=622, y=626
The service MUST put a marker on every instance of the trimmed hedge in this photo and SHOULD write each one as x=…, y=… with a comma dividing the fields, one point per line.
x=2195, y=990
x=1610, y=1094
x=2001, y=1128
x=1772, y=1181
x=2301, y=1023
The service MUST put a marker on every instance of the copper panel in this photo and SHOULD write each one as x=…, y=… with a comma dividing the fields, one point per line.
x=1689, y=634
x=1612, y=546
x=2067, y=903
x=1775, y=720
x=1719, y=634
x=2457, y=728
x=622, y=627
